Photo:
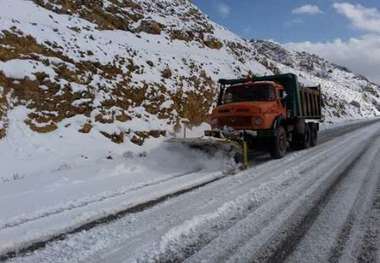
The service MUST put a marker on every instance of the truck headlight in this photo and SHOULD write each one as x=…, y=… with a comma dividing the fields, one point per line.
x=257, y=121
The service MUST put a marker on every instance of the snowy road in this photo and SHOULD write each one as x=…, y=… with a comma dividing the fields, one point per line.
x=312, y=206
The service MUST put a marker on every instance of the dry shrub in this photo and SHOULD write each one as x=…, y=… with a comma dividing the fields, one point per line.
x=104, y=118
x=86, y=128
x=182, y=35
x=137, y=140
x=115, y=137
x=157, y=133
x=166, y=73
x=150, y=27
x=123, y=117
x=213, y=43
x=3, y=133
x=139, y=137
x=194, y=105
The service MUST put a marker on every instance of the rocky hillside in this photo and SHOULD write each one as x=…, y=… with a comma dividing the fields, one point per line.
x=127, y=69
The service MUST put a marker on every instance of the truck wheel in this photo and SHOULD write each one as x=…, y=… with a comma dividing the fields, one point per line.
x=313, y=136
x=306, y=138
x=238, y=158
x=280, y=144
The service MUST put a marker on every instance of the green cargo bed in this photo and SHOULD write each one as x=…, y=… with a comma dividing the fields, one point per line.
x=301, y=102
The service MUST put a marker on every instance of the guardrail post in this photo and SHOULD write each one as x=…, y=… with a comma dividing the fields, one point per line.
x=245, y=154
x=185, y=123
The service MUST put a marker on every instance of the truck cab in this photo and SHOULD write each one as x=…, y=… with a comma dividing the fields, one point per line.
x=270, y=112
x=249, y=106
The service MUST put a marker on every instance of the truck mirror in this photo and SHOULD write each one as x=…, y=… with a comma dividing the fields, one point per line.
x=228, y=98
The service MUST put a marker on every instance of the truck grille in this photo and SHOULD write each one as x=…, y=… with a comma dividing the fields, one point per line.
x=235, y=122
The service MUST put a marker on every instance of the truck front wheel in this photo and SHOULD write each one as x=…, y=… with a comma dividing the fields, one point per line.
x=280, y=144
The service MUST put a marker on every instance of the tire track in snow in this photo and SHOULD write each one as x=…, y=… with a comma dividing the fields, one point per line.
x=201, y=233
x=370, y=241
x=231, y=242
x=369, y=250
x=303, y=182
x=358, y=210
x=347, y=199
x=328, y=134
x=264, y=219
x=289, y=243
x=299, y=230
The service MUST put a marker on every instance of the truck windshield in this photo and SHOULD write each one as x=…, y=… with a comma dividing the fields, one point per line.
x=244, y=93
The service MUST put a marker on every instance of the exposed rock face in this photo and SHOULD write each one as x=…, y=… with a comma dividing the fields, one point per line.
x=127, y=68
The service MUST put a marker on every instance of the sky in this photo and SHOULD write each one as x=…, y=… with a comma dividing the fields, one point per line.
x=345, y=32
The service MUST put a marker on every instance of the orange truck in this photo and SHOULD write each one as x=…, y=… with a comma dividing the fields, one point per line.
x=269, y=113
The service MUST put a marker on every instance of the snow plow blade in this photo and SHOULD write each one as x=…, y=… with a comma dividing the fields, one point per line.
x=232, y=150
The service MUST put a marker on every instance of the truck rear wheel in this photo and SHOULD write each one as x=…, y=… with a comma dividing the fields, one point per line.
x=306, y=138
x=313, y=135
x=280, y=144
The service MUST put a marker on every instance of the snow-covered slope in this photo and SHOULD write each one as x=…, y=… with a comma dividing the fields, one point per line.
x=125, y=69
x=125, y=78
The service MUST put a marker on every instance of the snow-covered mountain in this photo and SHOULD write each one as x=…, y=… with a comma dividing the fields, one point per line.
x=126, y=69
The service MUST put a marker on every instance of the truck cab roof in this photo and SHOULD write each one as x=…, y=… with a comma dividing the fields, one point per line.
x=252, y=83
